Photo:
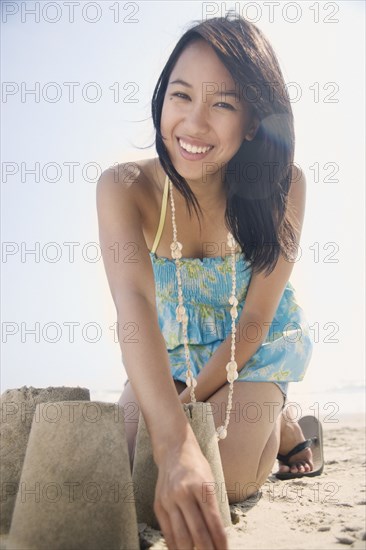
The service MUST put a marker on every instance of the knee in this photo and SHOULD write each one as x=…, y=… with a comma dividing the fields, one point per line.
x=242, y=491
x=243, y=485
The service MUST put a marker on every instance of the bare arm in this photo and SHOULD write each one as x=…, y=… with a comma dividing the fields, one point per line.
x=130, y=277
x=185, y=520
x=262, y=300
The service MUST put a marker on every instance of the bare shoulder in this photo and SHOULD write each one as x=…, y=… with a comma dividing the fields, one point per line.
x=298, y=184
x=265, y=291
x=124, y=176
x=134, y=179
x=121, y=228
x=297, y=194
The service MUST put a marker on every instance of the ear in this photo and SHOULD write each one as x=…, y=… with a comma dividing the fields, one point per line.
x=250, y=135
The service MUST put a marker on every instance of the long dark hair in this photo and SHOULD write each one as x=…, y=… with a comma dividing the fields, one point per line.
x=257, y=179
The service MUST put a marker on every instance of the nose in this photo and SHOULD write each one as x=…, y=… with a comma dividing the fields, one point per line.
x=197, y=119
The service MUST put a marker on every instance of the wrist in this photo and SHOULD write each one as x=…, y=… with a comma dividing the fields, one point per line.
x=184, y=396
x=168, y=443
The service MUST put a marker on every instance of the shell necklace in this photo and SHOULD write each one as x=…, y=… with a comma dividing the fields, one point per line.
x=182, y=317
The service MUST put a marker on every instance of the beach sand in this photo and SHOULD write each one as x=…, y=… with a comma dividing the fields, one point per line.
x=322, y=512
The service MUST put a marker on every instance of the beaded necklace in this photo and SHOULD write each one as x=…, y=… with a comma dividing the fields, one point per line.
x=182, y=317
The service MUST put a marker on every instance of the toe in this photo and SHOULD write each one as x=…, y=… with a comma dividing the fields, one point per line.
x=300, y=467
x=302, y=462
x=283, y=469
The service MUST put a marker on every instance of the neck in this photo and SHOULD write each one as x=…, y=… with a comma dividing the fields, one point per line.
x=209, y=191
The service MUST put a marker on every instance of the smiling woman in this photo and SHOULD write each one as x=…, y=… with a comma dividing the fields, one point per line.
x=225, y=144
x=199, y=117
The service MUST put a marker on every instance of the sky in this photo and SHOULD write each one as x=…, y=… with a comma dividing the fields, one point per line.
x=76, y=98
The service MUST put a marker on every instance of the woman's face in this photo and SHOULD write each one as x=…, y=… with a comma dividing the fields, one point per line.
x=201, y=113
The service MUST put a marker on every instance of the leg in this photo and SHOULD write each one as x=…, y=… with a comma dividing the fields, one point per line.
x=131, y=408
x=251, y=446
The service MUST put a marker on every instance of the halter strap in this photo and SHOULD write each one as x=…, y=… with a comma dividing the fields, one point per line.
x=162, y=215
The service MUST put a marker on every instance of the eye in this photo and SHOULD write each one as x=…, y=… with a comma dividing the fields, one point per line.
x=227, y=106
x=179, y=94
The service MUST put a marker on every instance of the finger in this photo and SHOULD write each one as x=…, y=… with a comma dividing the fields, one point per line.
x=197, y=525
x=211, y=513
x=182, y=534
x=165, y=526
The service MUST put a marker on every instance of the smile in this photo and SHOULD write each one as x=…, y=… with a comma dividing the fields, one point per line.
x=192, y=152
x=194, y=148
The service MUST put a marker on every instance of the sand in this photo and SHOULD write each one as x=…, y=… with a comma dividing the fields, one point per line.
x=323, y=512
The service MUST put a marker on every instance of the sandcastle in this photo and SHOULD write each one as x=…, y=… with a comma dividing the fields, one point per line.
x=17, y=411
x=66, y=480
x=65, y=472
x=145, y=472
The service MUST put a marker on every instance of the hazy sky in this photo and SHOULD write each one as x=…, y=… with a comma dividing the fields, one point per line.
x=92, y=73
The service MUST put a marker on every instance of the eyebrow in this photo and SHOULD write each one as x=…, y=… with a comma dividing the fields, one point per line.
x=183, y=83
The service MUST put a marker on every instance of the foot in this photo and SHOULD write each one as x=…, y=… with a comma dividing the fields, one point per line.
x=291, y=435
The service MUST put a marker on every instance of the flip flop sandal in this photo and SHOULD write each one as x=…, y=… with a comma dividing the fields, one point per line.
x=313, y=433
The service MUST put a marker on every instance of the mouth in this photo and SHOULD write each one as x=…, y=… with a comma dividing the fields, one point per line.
x=194, y=152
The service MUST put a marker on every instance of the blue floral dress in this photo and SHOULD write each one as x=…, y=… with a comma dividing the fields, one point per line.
x=282, y=358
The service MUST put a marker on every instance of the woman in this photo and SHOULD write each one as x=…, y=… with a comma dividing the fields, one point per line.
x=225, y=144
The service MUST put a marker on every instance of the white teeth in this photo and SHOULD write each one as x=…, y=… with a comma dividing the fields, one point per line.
x=193, y=148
